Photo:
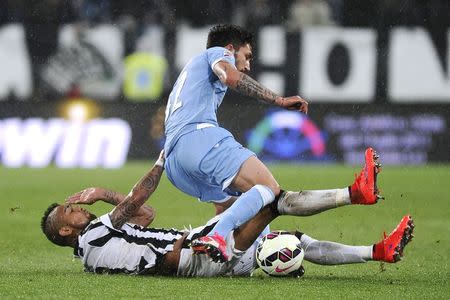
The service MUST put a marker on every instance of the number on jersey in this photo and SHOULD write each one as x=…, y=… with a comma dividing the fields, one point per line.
x=175, y=102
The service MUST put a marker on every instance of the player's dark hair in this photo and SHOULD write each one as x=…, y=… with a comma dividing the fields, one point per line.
x=222, y=35
x=49, y=228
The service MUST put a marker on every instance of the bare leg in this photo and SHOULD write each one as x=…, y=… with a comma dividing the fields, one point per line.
x=253, y=172
x=247, y=233
x=303, y=203
x=222, y=206
x=259, y=189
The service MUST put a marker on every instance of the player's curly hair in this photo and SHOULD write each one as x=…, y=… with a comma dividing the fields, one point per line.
x=222, y=35
x=49, y=227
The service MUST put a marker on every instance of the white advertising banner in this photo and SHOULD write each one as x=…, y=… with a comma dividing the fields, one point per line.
x=336, y=65
x=190, y=42
x=415, y=72
x=354, y=51
x=15, y=72
x=272, y=41
x=36, y=142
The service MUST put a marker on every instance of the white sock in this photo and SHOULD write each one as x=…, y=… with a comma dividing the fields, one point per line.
x=331, y=253
x=306, y=203
x=343, y=197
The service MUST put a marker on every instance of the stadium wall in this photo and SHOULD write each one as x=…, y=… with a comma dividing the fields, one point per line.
x=326, y=64
x=390, y=90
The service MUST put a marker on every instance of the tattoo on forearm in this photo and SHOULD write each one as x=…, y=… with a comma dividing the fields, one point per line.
x=250, y=87
x=148, y=184
x=123, y=213
x=112, y=197
x=139, y=194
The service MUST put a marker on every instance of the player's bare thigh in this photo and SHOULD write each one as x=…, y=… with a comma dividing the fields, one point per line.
x=222, y=206
x=253, y=172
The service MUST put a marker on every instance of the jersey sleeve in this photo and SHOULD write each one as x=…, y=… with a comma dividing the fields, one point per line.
x=216, y=54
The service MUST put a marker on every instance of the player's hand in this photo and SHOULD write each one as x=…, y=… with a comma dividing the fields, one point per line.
x=86, y=196
x=293, y=103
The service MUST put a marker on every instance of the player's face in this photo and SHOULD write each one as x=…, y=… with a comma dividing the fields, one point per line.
x=74, y=216
x=243, y=57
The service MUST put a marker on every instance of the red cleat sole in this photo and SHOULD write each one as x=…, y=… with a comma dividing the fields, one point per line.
x=365, y=189
x=391, y=248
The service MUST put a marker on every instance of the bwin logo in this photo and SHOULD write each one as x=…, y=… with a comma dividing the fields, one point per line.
x=36, y=142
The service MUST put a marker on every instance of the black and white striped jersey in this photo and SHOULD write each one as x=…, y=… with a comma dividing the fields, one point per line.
x=132, y=249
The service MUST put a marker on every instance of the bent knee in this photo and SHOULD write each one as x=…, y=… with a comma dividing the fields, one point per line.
x=266, y=193
x=274, y=187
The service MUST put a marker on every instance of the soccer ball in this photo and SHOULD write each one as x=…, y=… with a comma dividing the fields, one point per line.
x=279, y=254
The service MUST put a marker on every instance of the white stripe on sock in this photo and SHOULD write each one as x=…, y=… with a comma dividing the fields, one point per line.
x=266, y=193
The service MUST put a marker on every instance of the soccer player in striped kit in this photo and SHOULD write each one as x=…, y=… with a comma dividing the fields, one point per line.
x=121, y=242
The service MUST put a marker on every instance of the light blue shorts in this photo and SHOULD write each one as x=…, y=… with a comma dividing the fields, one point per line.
x=203, y=163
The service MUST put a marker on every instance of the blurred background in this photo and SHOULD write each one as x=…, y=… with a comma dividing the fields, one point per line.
x=84, y=83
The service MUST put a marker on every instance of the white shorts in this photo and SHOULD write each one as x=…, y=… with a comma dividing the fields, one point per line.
x=200, y=265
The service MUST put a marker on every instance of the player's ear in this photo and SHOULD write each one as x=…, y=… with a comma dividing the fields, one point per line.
x=65, y=231
x=231, y=48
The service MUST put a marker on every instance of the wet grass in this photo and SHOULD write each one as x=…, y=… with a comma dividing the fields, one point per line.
x=31, y=267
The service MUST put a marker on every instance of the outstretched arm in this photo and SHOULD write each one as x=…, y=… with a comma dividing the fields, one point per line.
x=141, y=191
x=144, y=215
x=247, y=86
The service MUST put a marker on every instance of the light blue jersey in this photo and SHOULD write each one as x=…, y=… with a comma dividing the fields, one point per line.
x=196, y=95
x=201, y=157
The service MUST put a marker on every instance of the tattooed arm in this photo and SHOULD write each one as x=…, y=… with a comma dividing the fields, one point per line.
x=93, y=194
x=129, y=208
x=247, y=86
x=141, y=191
x=144, y=216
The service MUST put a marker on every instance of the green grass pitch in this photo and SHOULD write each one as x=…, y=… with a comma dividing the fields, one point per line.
x=31, y=267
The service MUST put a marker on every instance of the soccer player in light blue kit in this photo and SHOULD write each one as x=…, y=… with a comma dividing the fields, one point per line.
x=205, y=161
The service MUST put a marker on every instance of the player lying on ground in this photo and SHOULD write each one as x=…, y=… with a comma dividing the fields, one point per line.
x=121, y=242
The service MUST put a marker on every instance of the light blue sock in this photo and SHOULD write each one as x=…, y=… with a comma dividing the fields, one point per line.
x=245, y=208
x=265, y=231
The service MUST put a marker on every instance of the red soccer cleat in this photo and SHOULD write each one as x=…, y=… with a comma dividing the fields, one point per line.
x=214, y=246
x=364, y=190
x=390, y=249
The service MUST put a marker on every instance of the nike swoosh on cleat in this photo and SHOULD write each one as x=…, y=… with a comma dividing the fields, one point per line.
x=278, y=270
